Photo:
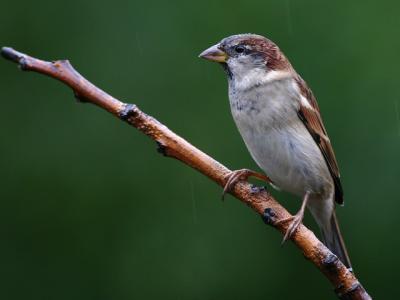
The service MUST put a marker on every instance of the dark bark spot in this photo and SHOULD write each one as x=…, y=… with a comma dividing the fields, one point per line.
x=161, y=149
x=80, y=98
x=257, y=189
x=330, y=263
x=352, y=293
x=268, y=216
x=127, y=112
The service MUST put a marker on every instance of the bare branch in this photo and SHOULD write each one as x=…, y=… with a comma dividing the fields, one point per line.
x=344, y=281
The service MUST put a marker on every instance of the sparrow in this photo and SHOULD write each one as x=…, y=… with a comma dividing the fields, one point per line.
x=280, y=122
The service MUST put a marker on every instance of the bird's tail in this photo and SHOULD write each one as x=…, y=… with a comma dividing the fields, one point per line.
x=332, y=238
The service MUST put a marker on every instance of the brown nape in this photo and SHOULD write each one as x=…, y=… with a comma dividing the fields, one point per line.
x=276, y=60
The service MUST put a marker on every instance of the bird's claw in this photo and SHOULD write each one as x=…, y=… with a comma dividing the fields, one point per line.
x=233, y=178
x=242, y=174
x=295, y=221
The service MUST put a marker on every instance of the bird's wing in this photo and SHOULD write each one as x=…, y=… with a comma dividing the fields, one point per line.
x=310, y=115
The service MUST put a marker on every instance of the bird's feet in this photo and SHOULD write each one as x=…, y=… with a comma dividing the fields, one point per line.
x=242, y=174
x=295, y=220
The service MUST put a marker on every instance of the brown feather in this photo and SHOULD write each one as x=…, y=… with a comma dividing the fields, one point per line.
x=313, y=121
x=275, y=59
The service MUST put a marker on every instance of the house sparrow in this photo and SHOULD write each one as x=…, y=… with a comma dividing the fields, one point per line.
x=280, y=122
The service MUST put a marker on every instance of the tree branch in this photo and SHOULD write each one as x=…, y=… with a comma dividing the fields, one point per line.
x=344, y=281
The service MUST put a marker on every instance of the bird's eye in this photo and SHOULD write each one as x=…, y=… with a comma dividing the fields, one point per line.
x=240, y=49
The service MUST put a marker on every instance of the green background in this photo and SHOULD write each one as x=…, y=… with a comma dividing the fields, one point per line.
x=89, y=210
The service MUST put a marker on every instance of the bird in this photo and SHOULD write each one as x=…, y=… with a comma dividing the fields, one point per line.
x=280, y=122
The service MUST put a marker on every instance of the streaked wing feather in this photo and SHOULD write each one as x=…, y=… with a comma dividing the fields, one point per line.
x=312, y=120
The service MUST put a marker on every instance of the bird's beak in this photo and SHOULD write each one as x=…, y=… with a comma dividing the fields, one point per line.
x=214, y=53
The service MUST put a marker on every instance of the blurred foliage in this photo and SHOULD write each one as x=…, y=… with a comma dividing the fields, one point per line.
x=90, y=211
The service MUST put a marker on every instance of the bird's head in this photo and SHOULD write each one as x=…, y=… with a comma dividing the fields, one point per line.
x=247, y=53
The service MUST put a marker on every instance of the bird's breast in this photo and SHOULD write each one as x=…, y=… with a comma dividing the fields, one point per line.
x=266, y=106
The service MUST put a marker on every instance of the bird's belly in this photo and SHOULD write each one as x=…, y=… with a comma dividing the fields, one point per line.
x=290, y=157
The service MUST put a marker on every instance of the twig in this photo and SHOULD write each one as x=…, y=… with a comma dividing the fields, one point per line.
x=169, y=144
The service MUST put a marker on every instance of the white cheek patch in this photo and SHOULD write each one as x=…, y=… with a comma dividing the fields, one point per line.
x=246, y=75
x=276, y=75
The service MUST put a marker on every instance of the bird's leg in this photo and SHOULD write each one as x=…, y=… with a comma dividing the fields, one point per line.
x=241, y=174
x=295, y=220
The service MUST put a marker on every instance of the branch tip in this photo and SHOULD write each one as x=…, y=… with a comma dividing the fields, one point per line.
x=11, y=54
x=15, y=56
